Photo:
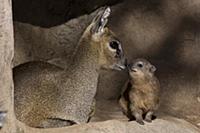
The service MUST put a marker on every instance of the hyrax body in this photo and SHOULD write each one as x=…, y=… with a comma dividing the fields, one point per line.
x=140, y=95
x=48, y=96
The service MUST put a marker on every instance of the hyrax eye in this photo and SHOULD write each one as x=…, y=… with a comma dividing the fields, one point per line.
x=114, y=44
x=140, y=65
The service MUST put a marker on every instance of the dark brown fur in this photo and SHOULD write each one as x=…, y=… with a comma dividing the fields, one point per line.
x=140, y=95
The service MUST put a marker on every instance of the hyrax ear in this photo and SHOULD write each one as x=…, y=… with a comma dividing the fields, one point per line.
x=100, y=21
x=152, y=68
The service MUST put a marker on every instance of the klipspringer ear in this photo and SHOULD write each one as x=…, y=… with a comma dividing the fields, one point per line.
x=100, y=21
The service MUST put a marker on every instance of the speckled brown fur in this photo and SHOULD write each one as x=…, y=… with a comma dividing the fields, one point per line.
x=140, y=95
x=48, y=96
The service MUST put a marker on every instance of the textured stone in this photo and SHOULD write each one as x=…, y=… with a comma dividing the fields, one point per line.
x=6, y=56
x=165, y=125
x=55, y=44
x=48, y=13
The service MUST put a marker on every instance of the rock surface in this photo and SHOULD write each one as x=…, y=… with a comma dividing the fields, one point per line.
x=54, y=44
x=48, y=13
x=167, y=33
x=165, y=125
x=7, y=117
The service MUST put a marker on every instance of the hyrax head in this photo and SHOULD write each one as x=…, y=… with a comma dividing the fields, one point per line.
x=110, y=51
x=141, y=69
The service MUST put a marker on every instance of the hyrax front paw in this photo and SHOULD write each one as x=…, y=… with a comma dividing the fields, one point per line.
x=148, y=120
x=138, y=117
x=148, y=117
x=140, y=121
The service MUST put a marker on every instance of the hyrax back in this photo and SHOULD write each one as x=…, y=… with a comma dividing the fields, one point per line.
x=140, y=95
x=48, y=96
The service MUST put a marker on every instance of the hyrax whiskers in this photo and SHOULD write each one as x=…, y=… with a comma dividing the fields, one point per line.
x=140, y=95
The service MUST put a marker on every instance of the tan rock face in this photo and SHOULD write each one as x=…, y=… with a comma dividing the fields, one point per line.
x=168, y=36
x=167, y=125
x=7, y=119
x=48, y=13
x=55, y=44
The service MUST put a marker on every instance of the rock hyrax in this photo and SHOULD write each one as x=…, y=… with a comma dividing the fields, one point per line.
x=140, y=96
